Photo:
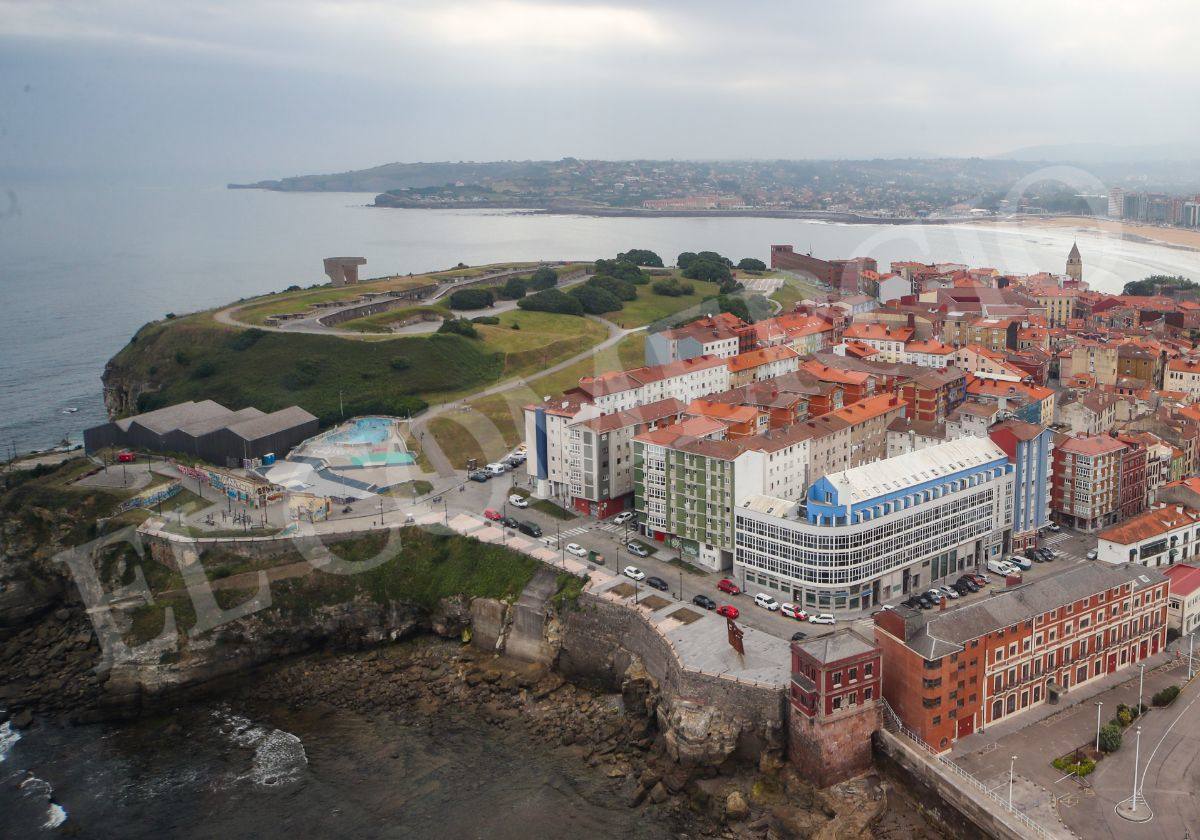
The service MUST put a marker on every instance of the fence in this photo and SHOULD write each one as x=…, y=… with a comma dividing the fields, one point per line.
x=893, y=723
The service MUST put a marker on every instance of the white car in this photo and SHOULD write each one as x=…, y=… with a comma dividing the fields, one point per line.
x=1054, y=527
x=950, y=593
x=1093, y=554
x=792, y=611
x=1023, y=563
x=622, y=518
x=495, y=469
x=576, y=549
x=766, y=601
x=633, y=572
x=518, y=501
x=1001, y=567
x=823, y=618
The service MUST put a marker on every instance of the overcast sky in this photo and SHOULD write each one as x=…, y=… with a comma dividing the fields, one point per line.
x=255, y=88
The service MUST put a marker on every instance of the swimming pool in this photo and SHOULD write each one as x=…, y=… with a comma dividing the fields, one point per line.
x=368, y=430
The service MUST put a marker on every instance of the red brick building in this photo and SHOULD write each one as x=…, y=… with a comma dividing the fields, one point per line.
x=951, y=673
x=843, y=275
x=933, y=393
x=833, y=707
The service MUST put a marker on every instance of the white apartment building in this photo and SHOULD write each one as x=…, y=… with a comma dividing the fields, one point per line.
x=1183, y=375
x=880, y=531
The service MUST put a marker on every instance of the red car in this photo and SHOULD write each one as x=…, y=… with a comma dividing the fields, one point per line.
x=125, y=457
x=728, y=611
x=492, y=514
x=728, y=587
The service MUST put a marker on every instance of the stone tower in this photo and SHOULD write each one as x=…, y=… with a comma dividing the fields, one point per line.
x=1075, y=263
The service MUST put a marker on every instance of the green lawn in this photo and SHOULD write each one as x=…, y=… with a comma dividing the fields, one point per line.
x=650, y=307
x=793, y=291
x=280, y=303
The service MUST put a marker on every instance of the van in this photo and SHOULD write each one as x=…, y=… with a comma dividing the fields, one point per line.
x=495, y=469
x=1001, y=566
x=529, y=529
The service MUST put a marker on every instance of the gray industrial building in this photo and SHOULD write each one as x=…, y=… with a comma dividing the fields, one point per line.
x=207, y=430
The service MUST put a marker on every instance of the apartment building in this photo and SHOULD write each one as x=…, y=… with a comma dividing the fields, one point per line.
x=949, y=674
x=887, y=341
x=928, y=353
x=876, y=532
x=1158, y=537
x=684, y=380
x=1030, y=449
x=1183, y=375
x=868, y=421
x=1086, y=481
x=931, y=394
x=1183, y=601
x=762, y=364
x=723, y=336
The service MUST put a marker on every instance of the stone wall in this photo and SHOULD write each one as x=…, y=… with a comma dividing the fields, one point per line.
x=603, y=641
x=831, y=751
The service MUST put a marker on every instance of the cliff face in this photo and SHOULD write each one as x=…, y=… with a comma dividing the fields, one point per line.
x=122, y=389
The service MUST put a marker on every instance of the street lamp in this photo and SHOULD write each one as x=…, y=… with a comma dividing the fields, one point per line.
x=1099, y=703
x=1141, y=680
x=1010, y=781
x=1137, y=748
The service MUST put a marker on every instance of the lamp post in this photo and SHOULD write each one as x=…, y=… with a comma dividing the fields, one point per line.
x=1099, y=703
x=1191, y=641
x=1011, y=764
x=1137, y=748
x=1141, y=681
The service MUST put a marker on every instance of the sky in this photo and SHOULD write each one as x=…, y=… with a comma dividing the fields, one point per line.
x=255, y=89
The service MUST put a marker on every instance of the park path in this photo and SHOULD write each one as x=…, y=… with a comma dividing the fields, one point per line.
x=420, y=425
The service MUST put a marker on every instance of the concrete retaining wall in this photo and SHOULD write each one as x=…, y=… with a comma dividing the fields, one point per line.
x=948, y=798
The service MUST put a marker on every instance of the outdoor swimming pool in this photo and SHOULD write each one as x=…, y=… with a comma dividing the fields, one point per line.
x=368, y=430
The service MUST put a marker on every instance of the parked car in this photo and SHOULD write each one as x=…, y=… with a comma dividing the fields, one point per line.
x=530, y=529
x=1092, y=555
x=510, y=522
x=728, y=611
x=979, y=578
x=765, y=601
x=924, y=602
x=495, y=469
x=1054, y=527
x=799, y=636
x=792, y=611
x=968, y=584
x=479, y=475
x=822, y=618
x=912, y=603
x=657, y=583
x=950, y=592
x=1001, y=567
x=576, y=549
x=633, y=572
x=728, y=587
x=125, y=457
x=518, y=501
x=622, y=517
x=1022, y=563
x=704, y=602
x=1046, y=554
x=492, y=514
x=637, y=548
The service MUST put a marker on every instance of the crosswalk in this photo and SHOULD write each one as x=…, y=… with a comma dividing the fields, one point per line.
x=609, y=527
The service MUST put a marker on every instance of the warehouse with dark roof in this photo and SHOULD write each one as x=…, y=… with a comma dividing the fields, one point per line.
x=207, y=430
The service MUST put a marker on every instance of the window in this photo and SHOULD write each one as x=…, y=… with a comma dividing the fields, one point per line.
x=868, y=669
x=837, y=678
x=853, y=674
x=867, y=694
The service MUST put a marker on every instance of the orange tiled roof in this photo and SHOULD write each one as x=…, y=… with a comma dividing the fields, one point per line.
x=1151, y=524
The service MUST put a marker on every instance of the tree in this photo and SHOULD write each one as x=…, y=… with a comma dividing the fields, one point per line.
x=1110, y=738
x=595, y=299
x=640, y=256
x=715, y=257
x=751, y=264
x=619, y=289
x=542, y=279
x=622, y=270
x=471, y=299
x=551, y=300
x=1146, y=287
x=735, y=306
x=703, y=268
x=513, y=289
x=685, y=259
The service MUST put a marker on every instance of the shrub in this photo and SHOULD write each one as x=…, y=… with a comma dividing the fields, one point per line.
x=471, y=299
x=711, y=270
x=182, y=358
x=514, y=288
x=552, y=300
x=640, y=256
x=400, y=363
x=491, y=320
x=1083, y=768
x=458, y=326
x=595, y=299
x=672, y=287
x=170, y=316
x=516, y=326
x=542, y=279
x=204, y=370
x=751, y=264
x=245, y=339
x=1165, y=697
x=1124, y=716
x=622, y=270
x=1110, y=738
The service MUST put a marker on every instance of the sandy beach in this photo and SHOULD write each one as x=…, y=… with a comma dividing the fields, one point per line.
x=1169, y=236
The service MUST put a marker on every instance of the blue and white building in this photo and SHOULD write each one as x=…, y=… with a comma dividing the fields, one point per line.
x=1030, y=449
x=881, y=531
